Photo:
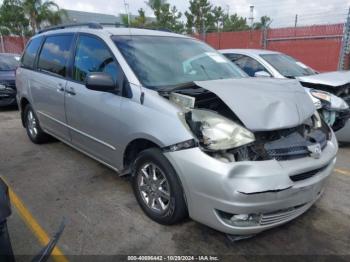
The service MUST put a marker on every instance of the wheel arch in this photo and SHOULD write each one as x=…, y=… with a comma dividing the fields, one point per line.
x=23, y=103
x=133, y=148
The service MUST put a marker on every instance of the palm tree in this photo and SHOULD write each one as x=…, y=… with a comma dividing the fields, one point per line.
x=264, y=22
x=40, y=12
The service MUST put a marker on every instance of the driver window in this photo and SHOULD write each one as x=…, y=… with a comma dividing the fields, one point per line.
x=248, y=65
x=92, y=55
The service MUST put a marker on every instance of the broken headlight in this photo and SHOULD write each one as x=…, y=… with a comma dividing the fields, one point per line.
x=216, y=132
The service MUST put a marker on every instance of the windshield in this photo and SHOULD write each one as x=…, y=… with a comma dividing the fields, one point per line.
x=288, y=66
x=160, y=61
x=9, y=62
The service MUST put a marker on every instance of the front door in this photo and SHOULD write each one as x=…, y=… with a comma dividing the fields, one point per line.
x=92, y=116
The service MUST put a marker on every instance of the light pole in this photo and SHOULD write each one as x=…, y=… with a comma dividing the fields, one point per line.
x=251, y=18
x=127, y=11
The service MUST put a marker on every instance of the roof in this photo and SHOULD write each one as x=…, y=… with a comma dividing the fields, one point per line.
x=249, y=51
x=74, y=16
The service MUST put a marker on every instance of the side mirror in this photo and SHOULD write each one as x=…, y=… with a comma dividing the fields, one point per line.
x=262, y=74
x=100, y=81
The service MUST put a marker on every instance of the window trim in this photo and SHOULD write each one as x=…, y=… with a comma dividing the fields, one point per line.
x=43, y=71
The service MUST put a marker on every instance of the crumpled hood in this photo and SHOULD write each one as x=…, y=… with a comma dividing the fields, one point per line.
x=336, y=78
x=264, y=104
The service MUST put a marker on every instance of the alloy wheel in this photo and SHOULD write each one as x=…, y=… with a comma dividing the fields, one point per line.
x=32, y=124
x=154, y=188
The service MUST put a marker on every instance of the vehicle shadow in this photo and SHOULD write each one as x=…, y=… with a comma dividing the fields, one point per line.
x=9, y=108
x=344, y=144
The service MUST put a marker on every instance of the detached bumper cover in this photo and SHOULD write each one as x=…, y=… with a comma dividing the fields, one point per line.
x=257, y=187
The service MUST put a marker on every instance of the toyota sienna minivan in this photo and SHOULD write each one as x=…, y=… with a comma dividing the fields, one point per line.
x=197, y=136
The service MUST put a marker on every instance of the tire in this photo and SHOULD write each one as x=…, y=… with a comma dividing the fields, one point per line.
x=32, y=125
x=169, y=206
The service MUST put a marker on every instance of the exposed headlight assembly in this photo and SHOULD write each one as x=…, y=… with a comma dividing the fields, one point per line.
x=216, y=132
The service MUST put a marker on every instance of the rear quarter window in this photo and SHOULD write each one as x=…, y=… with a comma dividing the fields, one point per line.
x=29, y=55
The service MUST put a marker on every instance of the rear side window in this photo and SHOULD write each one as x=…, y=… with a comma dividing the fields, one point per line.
x=29, y=55
x=55, y=54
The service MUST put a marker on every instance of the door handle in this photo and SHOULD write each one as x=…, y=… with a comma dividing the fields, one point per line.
x=60, y=88
x=71, y=91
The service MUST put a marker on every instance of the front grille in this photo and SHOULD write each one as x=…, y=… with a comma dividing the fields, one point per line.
x=307, y=175
x=295, y=145
x=282, y=215
x=283, y=145
x=9, y=84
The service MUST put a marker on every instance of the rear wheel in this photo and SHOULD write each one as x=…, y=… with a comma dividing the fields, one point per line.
x=34, y=131
x=157, y=188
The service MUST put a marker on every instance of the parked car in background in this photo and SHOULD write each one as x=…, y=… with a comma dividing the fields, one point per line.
x=8, y=66
x=331, y=89
x=197, y=136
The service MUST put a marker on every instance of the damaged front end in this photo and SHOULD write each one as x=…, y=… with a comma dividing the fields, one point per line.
x=222, y=134
x=334, y=109
x=262, y=153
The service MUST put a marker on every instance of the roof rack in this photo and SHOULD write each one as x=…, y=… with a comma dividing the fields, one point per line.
x=94, y=25
x=89, y=25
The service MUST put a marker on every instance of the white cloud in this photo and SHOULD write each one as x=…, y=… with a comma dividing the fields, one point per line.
x=282, y=11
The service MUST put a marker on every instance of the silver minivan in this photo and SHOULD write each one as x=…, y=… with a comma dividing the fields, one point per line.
x=197, y=136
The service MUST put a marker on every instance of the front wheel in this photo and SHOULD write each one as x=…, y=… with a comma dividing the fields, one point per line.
x=157, y=188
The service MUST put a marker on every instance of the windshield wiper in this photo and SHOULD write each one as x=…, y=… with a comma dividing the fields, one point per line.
x=290, y=76
x=168, y=89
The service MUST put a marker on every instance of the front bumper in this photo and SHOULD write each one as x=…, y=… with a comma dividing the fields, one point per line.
x=8, y=97
x=260, y=187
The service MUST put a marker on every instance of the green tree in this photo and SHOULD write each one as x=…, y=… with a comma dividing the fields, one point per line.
x=234, y=23
x=12, y=18
x=42, y=13
x=140, y=20
x=218, y=16
x=167, y=16
x=264, y=22
x=199, y=16
x=156, y=6
x=125, y=19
